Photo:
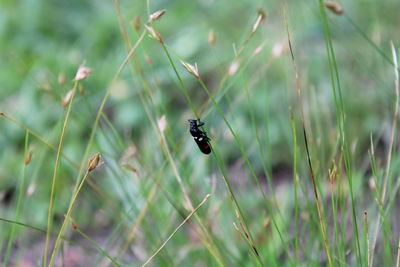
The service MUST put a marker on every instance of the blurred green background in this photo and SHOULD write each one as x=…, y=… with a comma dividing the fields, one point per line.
x=42, y=43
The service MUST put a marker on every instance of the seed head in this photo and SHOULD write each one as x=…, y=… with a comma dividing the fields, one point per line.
x=233, y=68
x=67, y=98
x=259, y=21
x=74, y=226
x=82, y=73
x=93, y=162
x=334, y=7
x=162, y=123
x=156, y=15
x=191, y=69
x=154, y=34
x=28, y=158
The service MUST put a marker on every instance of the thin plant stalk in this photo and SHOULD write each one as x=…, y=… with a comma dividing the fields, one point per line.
x=390, y=151
x=295, y=190
x=208, y=243
x=366, y=240
x=398, y=254
x=28, y=226
x=67, y=217
x=226, y=75
x=244, y=228
x=235, y=203
x=103, y=104
x=264, y=160
x=262, y=154
x=132, y=233
x=94, y=128
x=372, y=43
x=54, y=180
x=186, y=95
x=250, y=166
x=313, y=179
x=53, y=148
x=176, y=230
x=333, y=179
x=340, y=113
x=93, y=243
x=40, y=139
x=23, y=224
x=19, y=201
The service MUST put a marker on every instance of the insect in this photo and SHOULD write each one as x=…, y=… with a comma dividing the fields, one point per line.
x=199, y=136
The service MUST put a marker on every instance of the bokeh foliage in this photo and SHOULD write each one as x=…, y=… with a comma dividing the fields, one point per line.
x=42, y=43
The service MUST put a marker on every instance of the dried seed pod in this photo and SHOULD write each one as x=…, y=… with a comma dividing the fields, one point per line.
x=74, y=226
x=156, y=15
x=67, y=98
x=28, y=158
x=154, y=34
x=259, y=21
x=191, y=69
x=93, y=162
x=334, y=7
x=82, y=73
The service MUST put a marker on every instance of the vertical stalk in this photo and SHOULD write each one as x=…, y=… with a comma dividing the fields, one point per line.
x=54, y=180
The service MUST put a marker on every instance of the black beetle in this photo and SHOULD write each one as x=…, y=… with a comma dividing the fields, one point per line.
x=199, y=136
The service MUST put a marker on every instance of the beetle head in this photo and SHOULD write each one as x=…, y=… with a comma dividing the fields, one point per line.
x=191, y=121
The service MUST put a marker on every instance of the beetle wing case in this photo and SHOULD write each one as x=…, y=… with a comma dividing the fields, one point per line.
x=204, y=147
